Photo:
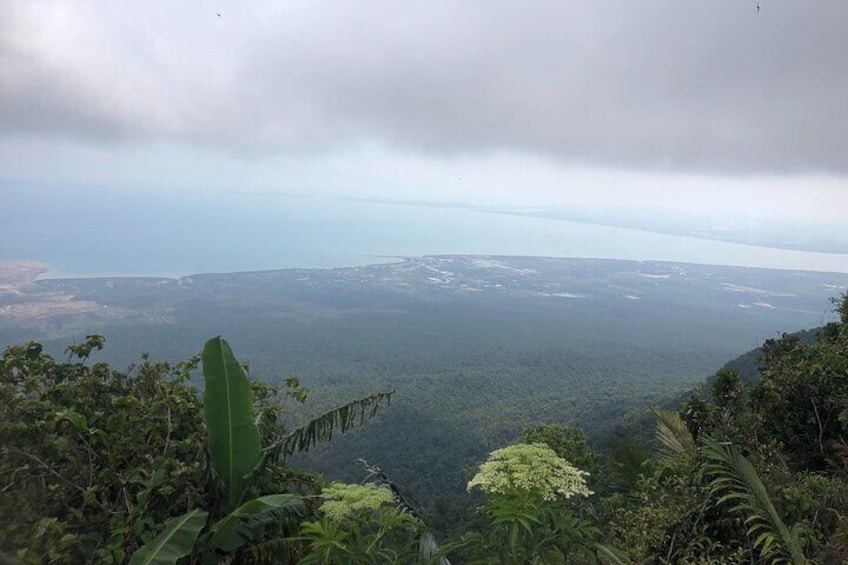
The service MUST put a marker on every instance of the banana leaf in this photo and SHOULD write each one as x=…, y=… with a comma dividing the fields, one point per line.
x=252, y=520
x=175, y=542
x=228, y=409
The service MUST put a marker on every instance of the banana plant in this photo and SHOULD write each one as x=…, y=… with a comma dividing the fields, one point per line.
x=239, y=458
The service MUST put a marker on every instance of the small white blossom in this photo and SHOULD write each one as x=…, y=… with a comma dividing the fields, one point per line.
x=533, y=468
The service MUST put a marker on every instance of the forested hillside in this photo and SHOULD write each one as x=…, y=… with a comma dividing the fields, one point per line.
x=106, y=466
x=476, y=348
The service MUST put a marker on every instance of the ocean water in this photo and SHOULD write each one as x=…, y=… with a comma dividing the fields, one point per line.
x=81, y=231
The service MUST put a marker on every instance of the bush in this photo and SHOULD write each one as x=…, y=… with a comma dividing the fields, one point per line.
x=94, y=460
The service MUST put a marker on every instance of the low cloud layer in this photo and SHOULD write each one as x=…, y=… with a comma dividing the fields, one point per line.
x=704, y=87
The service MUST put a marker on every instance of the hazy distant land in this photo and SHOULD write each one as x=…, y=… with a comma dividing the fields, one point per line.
x=55, y=307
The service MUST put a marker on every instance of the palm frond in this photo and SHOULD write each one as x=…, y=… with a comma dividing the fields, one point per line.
x=736, y=481
x=673, y=433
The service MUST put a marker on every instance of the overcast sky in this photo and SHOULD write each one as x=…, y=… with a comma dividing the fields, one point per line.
x=712, y=104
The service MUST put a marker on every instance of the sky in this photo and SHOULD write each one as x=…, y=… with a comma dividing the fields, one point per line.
x=727, y=107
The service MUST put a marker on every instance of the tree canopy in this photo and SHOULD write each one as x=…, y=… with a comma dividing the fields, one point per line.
x=107, y=466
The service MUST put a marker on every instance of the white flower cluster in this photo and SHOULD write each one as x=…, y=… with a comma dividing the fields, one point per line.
x=533, y=468
x=342, y=501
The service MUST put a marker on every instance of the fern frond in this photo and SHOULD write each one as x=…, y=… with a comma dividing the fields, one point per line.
x=737, y=482
x=673, y=434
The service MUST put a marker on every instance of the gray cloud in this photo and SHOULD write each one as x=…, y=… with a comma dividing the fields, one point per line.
x=660, y=84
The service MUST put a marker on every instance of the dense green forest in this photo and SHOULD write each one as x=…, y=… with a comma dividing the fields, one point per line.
x=107, y=466
x=477, y=348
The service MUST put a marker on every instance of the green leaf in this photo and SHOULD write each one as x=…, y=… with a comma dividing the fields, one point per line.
x=613, y=555
x=249, y=522
x=513, y=534
x=737, y=480
x=321, y=428
x=673, y=433
x=228, y=408
x=175, y=542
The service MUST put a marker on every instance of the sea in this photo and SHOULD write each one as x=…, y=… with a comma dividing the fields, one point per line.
x=81, y=231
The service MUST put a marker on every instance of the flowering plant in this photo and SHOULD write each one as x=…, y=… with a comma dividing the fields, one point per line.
x=343, y=501
x=532, y=469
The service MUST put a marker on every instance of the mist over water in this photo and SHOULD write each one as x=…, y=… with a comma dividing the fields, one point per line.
x=90, y=232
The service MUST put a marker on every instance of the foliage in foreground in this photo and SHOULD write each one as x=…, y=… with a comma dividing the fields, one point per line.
x=529, y=514
x=361, y=524
x=95, y=462
x=99, y=465
x=754, y=474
